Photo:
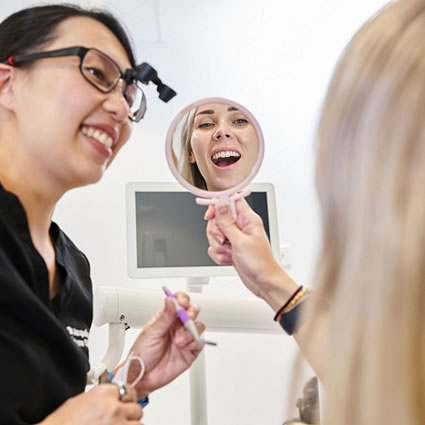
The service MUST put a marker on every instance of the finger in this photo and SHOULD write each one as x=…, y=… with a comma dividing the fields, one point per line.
x=169, y=310
x=200, y=327
x=218, y=237
x=222, y=256
x=169, y=317
x=217, y=240
x=183, y=299
x=107, y=389
x=215, y=244
x=221, y=250
x=191, y=347
x=133, y=411
x=210, y=213
x=222, y=260
x=131, y=394
x=242, y=207
x=214, y=233
x=194, y=348
x=193, y=311
x=247, y=218
x=183, y=337
x=163, y=319
x=225, y=221
x=126, y=393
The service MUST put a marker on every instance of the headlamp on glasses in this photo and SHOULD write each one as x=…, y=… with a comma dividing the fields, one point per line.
x=104, y=74
x=146, y=73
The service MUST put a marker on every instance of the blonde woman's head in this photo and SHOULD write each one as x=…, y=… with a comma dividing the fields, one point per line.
x=371, y=184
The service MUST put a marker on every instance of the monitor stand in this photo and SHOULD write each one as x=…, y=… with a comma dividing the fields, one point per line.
x=197, y=372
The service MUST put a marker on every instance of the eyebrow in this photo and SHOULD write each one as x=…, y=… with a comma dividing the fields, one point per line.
x=211, y=111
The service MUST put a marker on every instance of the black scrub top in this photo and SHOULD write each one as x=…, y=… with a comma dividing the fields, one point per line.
x=43, y=342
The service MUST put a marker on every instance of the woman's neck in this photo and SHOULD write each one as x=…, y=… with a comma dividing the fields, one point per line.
x=36, y=190
x=39, y=207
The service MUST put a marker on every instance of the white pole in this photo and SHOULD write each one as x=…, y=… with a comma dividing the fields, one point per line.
x=198, y=391
x=116, y=341
x=197, y=372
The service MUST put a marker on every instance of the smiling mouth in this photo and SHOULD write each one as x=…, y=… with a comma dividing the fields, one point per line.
x=225, y=158
x=98, y=135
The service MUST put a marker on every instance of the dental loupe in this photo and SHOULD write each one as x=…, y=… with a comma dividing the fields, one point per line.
x=146, y=73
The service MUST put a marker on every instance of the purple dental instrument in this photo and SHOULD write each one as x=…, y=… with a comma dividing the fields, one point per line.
x=185, y=319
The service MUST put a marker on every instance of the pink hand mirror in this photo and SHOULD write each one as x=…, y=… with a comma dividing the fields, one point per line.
x=214, y=148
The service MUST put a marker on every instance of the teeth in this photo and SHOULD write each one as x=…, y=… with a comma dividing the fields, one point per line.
x=225, y=154
x=98, y=135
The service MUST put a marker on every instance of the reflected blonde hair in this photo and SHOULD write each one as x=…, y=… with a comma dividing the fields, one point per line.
x=188, y=170
x=371, y=183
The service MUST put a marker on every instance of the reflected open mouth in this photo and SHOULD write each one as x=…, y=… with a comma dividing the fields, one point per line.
x=225, y=158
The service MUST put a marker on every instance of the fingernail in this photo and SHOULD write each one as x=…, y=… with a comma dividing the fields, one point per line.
x=207, y=214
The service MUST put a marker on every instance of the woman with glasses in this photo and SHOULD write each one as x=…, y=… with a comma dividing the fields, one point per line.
x=68, y=100
x=364, y=324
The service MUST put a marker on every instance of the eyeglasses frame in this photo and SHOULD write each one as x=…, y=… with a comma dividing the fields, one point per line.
x=129, y=76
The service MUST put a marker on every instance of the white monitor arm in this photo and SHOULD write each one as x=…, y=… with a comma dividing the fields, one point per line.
x=125, y=307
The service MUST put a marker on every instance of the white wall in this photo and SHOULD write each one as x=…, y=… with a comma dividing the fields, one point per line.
x=276, y=58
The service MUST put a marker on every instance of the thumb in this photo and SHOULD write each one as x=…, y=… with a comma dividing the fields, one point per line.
x=225, y=221
x=164, y=319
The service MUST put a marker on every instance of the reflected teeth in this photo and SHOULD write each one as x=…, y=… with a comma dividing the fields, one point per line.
x=98, y=135
x=225, y=154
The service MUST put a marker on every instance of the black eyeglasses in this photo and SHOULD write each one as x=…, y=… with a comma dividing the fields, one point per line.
x=101, y=72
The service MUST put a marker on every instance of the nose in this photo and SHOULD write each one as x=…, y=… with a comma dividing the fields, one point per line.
x=116, y=104
x=222, y=132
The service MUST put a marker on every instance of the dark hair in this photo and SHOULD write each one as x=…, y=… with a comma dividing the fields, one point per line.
x=28, y=29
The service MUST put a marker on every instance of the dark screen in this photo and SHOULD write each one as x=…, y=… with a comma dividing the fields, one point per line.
x=171, y=229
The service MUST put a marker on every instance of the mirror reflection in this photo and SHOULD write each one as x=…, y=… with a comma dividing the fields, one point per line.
x=215, y=146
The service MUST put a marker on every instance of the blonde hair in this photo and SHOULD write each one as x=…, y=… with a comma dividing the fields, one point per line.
x=371, y=183
x=188, y=170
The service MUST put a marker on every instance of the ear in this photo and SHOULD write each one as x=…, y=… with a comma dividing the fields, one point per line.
x=6, y=86
x=191, y=157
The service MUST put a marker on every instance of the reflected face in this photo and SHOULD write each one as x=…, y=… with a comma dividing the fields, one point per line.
x=224, y=145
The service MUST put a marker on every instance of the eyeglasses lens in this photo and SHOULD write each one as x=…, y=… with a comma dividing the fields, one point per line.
x=100, y=71
x=136, y=100
x=104, y=74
